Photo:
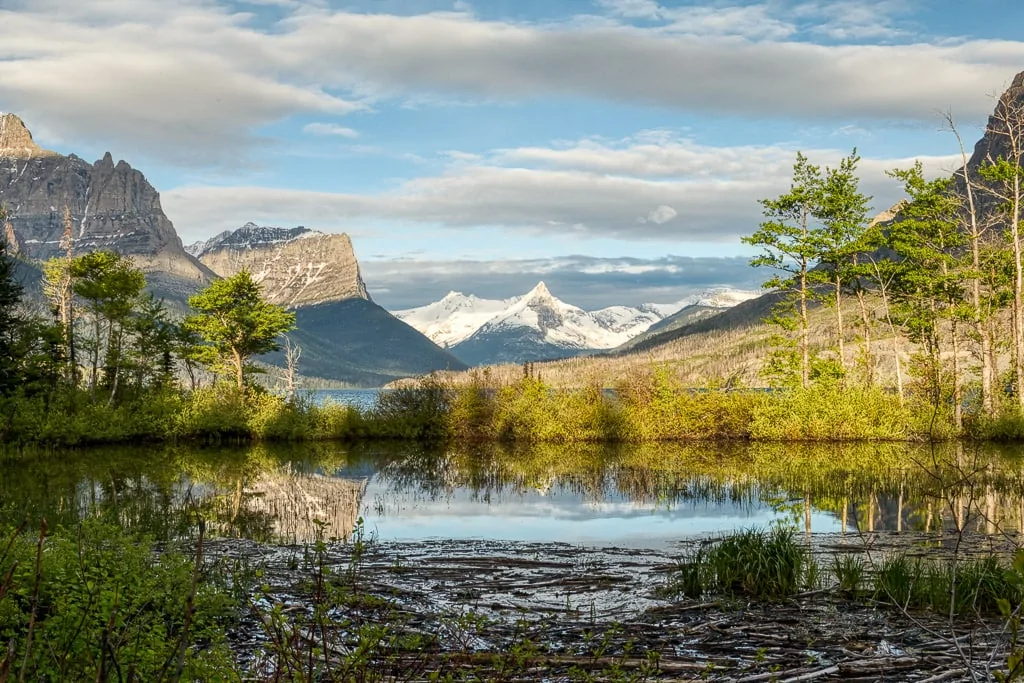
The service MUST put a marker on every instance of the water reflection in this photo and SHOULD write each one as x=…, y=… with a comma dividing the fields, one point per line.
x=593, y=495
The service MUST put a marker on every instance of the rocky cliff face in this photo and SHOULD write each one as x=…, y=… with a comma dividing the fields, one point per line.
x=295, y=266
x=112, y=206
x=996, y=142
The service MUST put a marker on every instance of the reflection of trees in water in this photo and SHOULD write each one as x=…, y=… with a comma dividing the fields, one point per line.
x=269, y=493
x=867, y=487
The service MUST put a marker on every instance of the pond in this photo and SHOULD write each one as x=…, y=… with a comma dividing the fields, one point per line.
x=627, y=496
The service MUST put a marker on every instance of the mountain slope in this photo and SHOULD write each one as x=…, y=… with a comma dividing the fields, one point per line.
x=344, y=336
x=709, y=303
x=112, y=206
x=358, y=342
x=295, y=266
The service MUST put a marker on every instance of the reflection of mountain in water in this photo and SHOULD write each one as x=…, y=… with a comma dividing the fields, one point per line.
x=294, y=507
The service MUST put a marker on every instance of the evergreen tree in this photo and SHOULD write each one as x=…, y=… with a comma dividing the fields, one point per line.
x=790, y=247
x=843, y=220
x=929, y=286
x=109, y=284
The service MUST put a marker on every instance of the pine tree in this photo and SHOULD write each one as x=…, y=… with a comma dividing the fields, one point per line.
x=790, y=247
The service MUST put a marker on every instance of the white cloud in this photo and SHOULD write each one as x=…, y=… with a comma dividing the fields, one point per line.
x=661, y=215
x=192, y=82
x=707, y=194
x=329, y=129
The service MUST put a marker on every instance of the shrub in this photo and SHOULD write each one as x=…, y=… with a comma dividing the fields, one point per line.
x=104, y=601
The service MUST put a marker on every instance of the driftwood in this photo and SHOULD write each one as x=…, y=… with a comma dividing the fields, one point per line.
x=599, y=611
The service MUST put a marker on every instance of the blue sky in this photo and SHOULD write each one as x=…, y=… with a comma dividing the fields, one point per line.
x=614, y=148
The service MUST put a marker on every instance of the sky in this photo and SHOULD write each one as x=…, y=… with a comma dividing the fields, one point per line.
x=616, y=149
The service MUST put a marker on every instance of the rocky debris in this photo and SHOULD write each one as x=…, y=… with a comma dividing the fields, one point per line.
x=16, y=140
x=295, y=266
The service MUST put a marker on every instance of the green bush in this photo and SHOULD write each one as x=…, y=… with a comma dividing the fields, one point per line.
x=103, y=602
x=832, y=413
x=419, y=412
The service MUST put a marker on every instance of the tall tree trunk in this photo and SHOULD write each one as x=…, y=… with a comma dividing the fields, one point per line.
x=116, y=371
x=1018, y=300
x=974, y=234
x=958, y=414
x=239, y=366
x=839, y=322
x=883, y=290
x=805, y=353
x=95, y=355
x=869, y=362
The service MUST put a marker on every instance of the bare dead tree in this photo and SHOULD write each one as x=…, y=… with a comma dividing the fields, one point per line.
x=976, y=230
x=292, y=354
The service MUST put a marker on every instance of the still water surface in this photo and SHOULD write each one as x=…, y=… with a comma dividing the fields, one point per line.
x=634, y=496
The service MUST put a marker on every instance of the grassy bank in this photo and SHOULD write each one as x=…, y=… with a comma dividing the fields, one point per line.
x=650, y=407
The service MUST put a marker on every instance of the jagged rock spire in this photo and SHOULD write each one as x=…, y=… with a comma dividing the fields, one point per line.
x=16, y=140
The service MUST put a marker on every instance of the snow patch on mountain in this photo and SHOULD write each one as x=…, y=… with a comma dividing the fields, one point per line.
x=251, y=236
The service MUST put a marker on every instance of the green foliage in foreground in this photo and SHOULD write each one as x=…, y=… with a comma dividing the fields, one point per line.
x=95, y=604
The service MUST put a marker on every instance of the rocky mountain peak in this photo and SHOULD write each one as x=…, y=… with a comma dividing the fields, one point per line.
x=296, y=266
x=541, y=291
x=995, y=143
x=16, y=140
x=110, y=207
x=889, y=214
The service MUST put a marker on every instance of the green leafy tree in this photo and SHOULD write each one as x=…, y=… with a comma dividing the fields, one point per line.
x=58, y=287
x=237, y=323
x=109, y=284
x=1004, y=181
x=928, y=286
x=151, y=353
x=790, y=248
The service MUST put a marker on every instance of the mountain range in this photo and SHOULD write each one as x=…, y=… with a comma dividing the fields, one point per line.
x=539, y=326
x=345, y=336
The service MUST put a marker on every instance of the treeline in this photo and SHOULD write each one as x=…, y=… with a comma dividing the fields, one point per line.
x=107, y=361
x=942, y=281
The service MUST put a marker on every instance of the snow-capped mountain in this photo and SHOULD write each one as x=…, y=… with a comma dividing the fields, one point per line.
x=539, y=326
x=454, y=318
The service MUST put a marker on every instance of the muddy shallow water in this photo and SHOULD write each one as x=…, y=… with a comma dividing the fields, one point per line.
x=558, y=541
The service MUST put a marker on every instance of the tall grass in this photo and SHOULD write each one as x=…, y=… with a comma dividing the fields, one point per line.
x=766, y=565
x=773, y=565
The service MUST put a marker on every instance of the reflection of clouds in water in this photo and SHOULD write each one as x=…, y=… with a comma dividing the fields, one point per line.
x=559, y=515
